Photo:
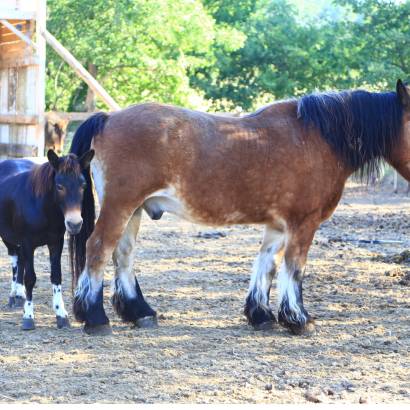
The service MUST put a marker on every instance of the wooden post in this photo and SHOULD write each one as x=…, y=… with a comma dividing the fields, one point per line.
x=41, y=75
x=81, y=71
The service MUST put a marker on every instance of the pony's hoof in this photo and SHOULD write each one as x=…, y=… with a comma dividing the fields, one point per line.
x=28, y=324
x=268, y=325
x=16, y=302
x=62, y=322
x=98, y=330
x=12, y=302
x=147, y=322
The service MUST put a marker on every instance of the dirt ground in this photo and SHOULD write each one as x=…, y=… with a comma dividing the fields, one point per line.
x=203, y=351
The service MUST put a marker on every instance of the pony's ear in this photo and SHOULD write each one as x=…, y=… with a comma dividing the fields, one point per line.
x=403, y=94
x=86, y=158
x=53, y=159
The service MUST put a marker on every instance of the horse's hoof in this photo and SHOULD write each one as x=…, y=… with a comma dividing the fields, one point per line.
x=147, y=322
x=268, y=325
x=98, y=330
x=62, y=322
x=19, y=301
x=297, y=329
x=28, y=324
x=12, y=302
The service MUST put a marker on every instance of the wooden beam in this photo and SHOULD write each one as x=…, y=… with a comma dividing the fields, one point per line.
x=80, y=70
x=18, y=150
x=19, y=34
x=13, y=14
x=19, y=119
x=10, y=61
x=71, y=116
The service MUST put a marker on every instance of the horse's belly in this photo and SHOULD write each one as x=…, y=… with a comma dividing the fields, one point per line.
x=167, y=200
x=170, y=200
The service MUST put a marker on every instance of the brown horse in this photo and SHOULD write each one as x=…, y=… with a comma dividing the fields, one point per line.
x=55, y=131
x=284, y=166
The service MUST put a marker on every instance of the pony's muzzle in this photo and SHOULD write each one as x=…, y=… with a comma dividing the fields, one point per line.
x=73, y=222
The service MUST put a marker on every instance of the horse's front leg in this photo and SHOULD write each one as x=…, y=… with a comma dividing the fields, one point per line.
x=55, y=250
x=127, y=298
x=257, y=309
x=88, y=303
x=292, y=313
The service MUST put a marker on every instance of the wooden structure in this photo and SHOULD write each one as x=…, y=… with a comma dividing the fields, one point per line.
x=23, y=38
x=22, y=77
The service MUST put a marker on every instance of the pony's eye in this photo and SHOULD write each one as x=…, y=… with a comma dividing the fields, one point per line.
x=83, y=185
x=60, y=187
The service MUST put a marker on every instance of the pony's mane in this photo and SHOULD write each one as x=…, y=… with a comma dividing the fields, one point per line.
x=42, y=176
x=360, y=126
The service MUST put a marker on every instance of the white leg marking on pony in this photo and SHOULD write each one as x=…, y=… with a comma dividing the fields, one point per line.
x=28, y=310
x=264, y=266
x=58, y=302
x=14, y=260
x=20, y=290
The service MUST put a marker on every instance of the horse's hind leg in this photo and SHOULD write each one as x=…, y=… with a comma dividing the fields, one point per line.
x=29, y=282
x=257, y=308
x=292, y=313
x=127, y=298
x=55, y=250
x=17, y=293
x=88, y=304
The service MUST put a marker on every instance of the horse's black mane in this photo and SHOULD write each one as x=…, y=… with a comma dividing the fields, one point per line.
x=361, y=127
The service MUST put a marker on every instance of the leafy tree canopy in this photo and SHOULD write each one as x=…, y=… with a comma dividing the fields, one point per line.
x=224, y=54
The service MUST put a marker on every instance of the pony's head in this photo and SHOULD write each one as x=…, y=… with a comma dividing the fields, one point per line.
x=68, y=185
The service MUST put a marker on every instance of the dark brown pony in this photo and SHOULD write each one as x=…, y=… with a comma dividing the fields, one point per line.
x=37, y=204
x=284, y=166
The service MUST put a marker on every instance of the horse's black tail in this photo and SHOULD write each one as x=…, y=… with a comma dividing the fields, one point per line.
x=81, y=143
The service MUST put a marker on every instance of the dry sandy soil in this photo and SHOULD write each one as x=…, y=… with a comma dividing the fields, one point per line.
x=203, y=350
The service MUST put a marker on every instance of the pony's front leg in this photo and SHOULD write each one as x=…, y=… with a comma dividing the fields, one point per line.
x=257, y=309
x=292, y=313
x=55, y=250
x=127, y=298
x=88, y=304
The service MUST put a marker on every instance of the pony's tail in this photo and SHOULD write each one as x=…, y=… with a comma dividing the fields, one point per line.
x=81, y=143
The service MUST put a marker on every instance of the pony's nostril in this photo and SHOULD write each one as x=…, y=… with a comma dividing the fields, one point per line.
x=74, y=226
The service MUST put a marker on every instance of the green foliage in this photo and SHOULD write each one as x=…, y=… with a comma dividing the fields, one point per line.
x=141, y=49
x=223, y=54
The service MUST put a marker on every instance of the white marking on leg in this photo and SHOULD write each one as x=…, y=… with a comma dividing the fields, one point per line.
x=124, y=285
x=123, y=257
x=87, y=288
x=13, y=288
x=14, y=259
x=288, y=289
x=20, y=290
x=58, y=302
x=97, y=170
x=28, y=310
x=264, y=267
